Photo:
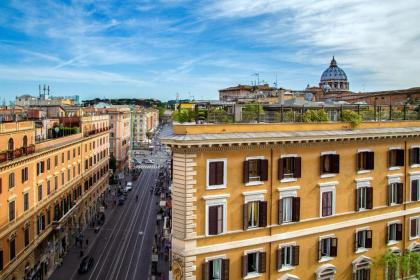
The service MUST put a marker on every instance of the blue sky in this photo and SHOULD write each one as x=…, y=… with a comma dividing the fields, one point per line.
x=160, y=48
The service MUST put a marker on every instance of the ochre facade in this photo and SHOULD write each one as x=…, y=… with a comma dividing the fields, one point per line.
x=195, y=146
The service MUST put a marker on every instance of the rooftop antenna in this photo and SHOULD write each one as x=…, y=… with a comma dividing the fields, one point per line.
x=276, y=81
x=44, y=89
x=48, y=90
x=39, y=90
x=258, y=78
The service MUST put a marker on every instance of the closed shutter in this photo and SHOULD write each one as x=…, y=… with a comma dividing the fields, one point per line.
x=411, y=155
x=225, y=269
x=23, y=175
x=319, y=249
x=246, y=171
x=212, y=173
x=357, y=199
x=1, y=260
x=220, y=172
x=262, y=262
x=399, y=232
x=359, y=161
x=400, y=192
x=389, y=194
x=262, y=212
x=369, y=198
x=336, y=164
x=321, y=164
x=244, y=265
x=296, y=209
x=370, y=160
x=368, y=242
x=281, y=163
x=333, y=249
x=279, y=258
x=1, y=185
x=263, y=168
x=356, y=241
x=413, y=227
x=391, y=158
x=245, y=216
x=295, y=256
x=298, y=167
x=414, y=190
x=206, y=271
x=280, y=211
x=212, y=220
x=400, y=157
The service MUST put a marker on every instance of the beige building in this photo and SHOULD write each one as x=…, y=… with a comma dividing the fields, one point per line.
x=49, y=191
x=144, y=121
x=294, y=201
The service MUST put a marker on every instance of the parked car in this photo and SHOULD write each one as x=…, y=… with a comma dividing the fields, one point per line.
x=121, y=200
x=86, y=264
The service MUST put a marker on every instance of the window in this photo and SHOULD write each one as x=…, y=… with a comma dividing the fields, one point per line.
x=287, y=256
x=48, y=187
x=62, y=157
x=55, y=160
x=78, y=151
x=395, y=158
x=68, y=154
x=216, y=173
x=216, y=269
x=255, y=214
x=1, y=260
x=86, y=164
x=39, y=168
x=327, y=247
x=11, y=211
x=25, y=174
x=74, y=152
x=255, y=170
x=215, y=220
x=326, y=272
x=363, y=239
x=289, y=167
x=26, y=236
x=11, y=180
x=361, y=270
x=394, y=232
x=39, y=192
x=414, y=156
x=253, y=263
x=365, y=160
x=12, y=248
x=55, y=182
x=68, y=174
x=330, y=164
x=415, y=192
x=364, y=198
x=41, y=223
x=395, y=193
x=289, y=209
x=327, y=202
x=62, y=178
x=415, y=227
x=48, y=164
x=25, y=201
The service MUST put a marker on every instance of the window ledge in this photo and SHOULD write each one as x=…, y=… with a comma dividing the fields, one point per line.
x=255, y=183
x=413, y=237
x=252, y=275
x=328, y=175
x=361, y=250
x=394, y=168
x=363, y=171
x=287, y=180
x=217, y=187
x=392, y=242
x=325, y=259
x=286, y=268
x=415, y=165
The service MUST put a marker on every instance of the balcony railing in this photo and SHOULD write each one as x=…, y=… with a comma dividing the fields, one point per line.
x=95, y=131
x=11, y=155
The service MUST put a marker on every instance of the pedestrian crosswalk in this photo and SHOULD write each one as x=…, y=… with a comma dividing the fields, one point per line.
x=148, y=166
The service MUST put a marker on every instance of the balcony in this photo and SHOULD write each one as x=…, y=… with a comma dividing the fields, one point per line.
x=95, y=131
x=17, y=153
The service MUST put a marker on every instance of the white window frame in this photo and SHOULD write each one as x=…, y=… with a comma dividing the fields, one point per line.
x=287, y=267
x=254, y=183
x=418, y=228
x=326, y=258
x=254, y=274
x=395, y=148
x=414, y=165
x=216, y=200
x=288, y=193
x=363, y=183
x=212, y=258
x=362, y=249
x=214, y=187
x=327, y=187
x=388, y=225
x=364, y=171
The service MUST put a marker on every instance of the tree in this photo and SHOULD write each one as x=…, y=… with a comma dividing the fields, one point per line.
x=183, y=115
x=149, y=135
x=315, y=116
x=252, y=112
x=407, y=264
x=352, y=117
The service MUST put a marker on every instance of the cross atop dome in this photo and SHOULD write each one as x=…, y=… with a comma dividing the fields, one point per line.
x=333, y=62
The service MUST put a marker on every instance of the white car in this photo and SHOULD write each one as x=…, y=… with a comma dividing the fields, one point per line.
x=129, y=186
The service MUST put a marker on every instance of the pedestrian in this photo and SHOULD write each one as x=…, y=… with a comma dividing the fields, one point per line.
x=87, y=242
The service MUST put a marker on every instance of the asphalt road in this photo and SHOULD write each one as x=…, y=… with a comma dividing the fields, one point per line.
x=123, y=248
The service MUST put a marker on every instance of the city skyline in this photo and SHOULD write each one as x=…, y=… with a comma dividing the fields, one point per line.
x=157, y=49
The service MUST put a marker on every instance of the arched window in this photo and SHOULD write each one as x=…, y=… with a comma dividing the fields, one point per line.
x=25, y=141
x=10, y=145
x=414, y=247
x=361, y=268
x=326, y=272
x=289, y=277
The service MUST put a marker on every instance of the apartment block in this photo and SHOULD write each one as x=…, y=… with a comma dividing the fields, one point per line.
x=50, y=189
x=293, y=201
x=144, y=121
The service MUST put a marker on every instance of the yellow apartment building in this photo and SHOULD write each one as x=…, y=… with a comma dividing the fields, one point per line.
x=49, y=191
x=293, y=201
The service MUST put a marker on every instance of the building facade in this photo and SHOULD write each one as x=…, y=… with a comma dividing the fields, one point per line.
x=293, y=201
x=49, y=191
x=143, y=121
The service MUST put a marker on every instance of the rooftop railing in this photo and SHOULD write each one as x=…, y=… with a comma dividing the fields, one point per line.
x=17, y=153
